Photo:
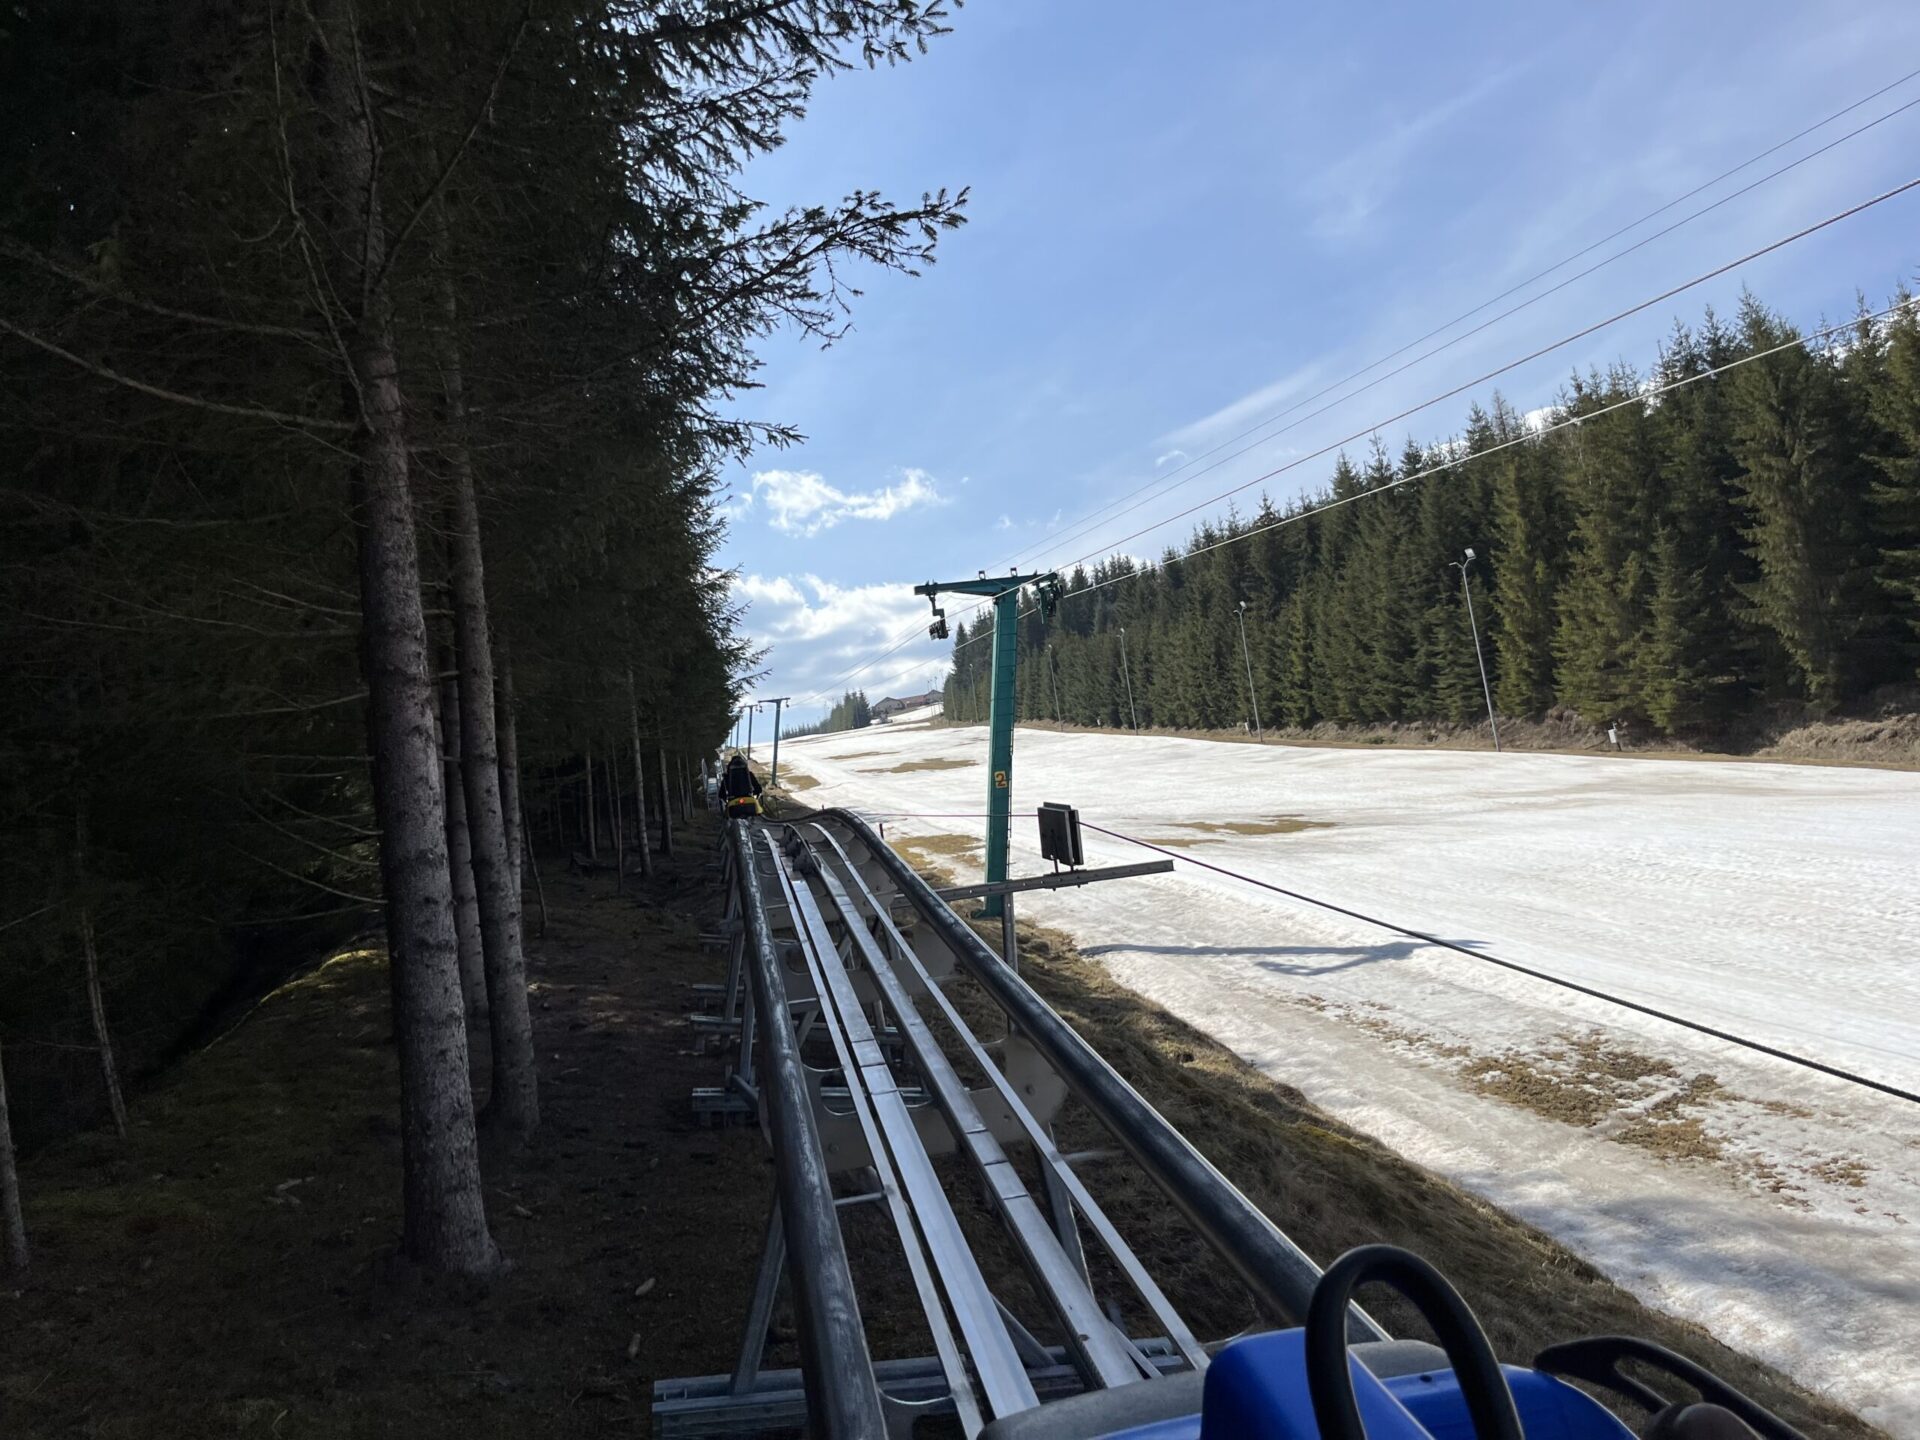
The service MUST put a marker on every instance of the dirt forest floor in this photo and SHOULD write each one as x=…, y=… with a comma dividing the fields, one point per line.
x=229, y=1270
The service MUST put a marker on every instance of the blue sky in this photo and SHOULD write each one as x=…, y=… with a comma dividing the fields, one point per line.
x=1187, y=217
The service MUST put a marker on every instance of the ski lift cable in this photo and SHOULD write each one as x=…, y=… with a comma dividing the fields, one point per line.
x=1594, y=992
x=1772, y=246
x=1080, y=527
x=1774, y=1052
x=1109, y=512
x=1528, y=436
x=1769, y=248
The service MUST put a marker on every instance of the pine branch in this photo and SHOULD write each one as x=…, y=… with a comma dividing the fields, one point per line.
x=218, y=407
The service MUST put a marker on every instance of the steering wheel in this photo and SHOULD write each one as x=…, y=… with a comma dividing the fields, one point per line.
x=1330, y=1382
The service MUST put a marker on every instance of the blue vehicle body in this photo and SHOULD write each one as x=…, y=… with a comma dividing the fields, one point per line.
x=1256, y=1389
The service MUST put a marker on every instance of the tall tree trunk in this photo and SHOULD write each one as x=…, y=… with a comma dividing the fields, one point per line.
x=640, y=766
x=613, y=819
x=103, y=1038
x=593, y=838
x=533, y=866
x=445, y=1209
x=685, y=772
x=513, y=809
x=466, y=905
x=13, y=1226
x=96, y=1001
x=666, y=807
x=513, y=1100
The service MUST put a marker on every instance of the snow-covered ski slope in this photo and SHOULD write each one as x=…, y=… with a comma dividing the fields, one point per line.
x=1777, y=1207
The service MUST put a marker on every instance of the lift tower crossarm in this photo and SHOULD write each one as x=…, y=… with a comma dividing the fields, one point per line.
x=1004, y=591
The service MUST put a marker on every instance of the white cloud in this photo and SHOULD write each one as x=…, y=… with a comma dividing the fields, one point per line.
x=820, y=630
x=1235, y=415
x=806, y=608
x=801, y=502
x=1005, y=522
x=1172, y=455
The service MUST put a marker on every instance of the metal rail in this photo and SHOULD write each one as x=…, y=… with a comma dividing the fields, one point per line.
x=843, y=1398
x=1278, y=1271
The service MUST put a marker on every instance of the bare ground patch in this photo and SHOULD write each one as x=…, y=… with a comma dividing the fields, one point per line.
x=907, y=767
x=1211, y=830
x=1594, y=1083
x=927, y=852
x=1331, y=1187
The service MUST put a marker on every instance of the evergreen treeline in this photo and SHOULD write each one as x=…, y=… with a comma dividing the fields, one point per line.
x=849, y=712
x=1676, y=564
x=364, y=372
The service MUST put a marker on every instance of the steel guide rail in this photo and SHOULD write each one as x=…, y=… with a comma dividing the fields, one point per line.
x=819, y=963
x=844, y=1397
x=1278, y=1271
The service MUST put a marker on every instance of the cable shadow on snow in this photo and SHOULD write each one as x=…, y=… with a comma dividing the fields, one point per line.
x=1352, y=956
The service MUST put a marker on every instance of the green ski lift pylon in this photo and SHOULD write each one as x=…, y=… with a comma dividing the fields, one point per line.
x=1004, y=591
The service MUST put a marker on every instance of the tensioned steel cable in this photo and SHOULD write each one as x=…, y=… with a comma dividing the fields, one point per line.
x=1457, y=390
x=1526, y=437
x=1080, y=527
x=1785, y=240
x=1589, y=990
x=1108, y=513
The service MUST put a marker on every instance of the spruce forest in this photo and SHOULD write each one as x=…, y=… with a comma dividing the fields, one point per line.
x=1745, y=542
x=365, y=374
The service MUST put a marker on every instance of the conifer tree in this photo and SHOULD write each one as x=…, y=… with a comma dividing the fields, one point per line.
x=1805, y=484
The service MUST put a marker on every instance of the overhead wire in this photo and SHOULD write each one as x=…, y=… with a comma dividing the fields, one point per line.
x=1528, y=436
x=909, y=636
x=1574, y=279
x=1080, y=526
x=1489, y=958
x=1815, y=228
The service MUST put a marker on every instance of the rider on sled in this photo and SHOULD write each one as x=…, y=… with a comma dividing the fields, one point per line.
x=739, y=788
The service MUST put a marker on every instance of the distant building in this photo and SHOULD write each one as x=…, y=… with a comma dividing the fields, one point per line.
x=895, y=705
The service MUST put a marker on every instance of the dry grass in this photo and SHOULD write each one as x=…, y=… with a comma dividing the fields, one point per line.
x=183, y=1289
x=907, y=767
x=1331, y=1188
x=1212, y=829
x=926, y=852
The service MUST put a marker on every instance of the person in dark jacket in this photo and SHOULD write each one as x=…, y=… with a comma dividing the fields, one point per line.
x=738, y=782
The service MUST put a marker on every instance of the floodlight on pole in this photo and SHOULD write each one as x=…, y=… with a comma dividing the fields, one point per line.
x=1247, y=655
x=1485, y=689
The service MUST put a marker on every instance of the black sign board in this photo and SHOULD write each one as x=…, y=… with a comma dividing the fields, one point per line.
x=1060, y=835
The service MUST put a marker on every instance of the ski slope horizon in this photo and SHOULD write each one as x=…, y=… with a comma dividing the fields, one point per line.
x=1771, y=1204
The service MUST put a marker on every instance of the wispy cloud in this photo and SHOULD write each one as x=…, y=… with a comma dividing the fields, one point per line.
x=1171, y=457
x=801, y=502
x=1345, y=194
x=1236, y=415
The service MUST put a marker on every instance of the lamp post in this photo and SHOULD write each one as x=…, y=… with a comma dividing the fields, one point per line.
x=1126, y=673
x=1473, y=625
x=773, y=775
x=1247, y=655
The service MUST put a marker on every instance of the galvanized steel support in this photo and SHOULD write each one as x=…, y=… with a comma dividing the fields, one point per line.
x=843, y=1398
